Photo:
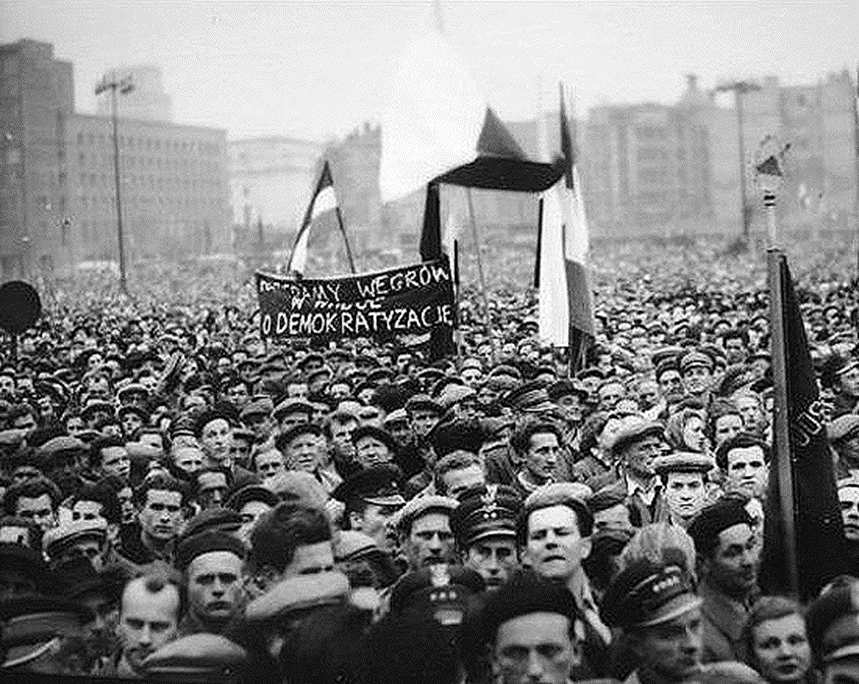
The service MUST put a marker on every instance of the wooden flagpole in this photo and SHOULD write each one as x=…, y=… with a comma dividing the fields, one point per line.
x=487, y=318
x=458, y=332
x=345, y=239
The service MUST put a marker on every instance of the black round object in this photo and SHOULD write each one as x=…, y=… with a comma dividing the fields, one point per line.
x=20, y=306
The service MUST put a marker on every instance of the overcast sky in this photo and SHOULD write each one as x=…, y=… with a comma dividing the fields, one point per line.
x=316, y=69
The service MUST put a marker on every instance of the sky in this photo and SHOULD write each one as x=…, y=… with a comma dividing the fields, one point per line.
x=317, y=69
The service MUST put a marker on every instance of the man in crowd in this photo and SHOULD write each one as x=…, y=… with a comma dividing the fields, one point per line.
x=684, y=482
x=744, y=459
x=424, y=529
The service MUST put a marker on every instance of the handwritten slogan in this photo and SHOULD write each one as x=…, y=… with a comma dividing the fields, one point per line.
x=407, y=300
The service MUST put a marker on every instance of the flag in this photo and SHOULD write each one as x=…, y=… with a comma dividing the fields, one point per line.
x=566, y=300
x=323, y=200
x=819, y=535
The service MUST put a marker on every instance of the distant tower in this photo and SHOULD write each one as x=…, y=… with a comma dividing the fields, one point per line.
x=148, y=101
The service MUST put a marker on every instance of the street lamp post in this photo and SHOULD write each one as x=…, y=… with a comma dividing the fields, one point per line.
x=740, y=88
x=125, y=86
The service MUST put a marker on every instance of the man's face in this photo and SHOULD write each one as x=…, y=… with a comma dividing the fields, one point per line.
x=401, y=431
x=240, y=451
x=189, y=459
x=25, y=473
x=750, y=410
x=613, y=518
x=91, y=549
x=130, y=422
x=848, y=497
x=74, y=426
x=780, y=649
x=341, y=437
x=147, y=621
x=87, y=510
x=261, y=424
x=727, y=426
x=7, y=386
x=238, y=395
x=250, y=513
x=304, y=452
x=534, y=648
x=339, y=390
x=211, y=489
x=161, y=514
x=648, y=394
x=297, y=390
x=697, y=379
x=554, y=544
x=290, y=420
x=115, y=461
x=685, y=494
x=370, y=451
x=747, y=470
x=671, y=385
x=374, y=522
x=542, y=456
x=214, y=586
x=733, y=567
x=671, y=651
x=270, y=464
x=609, y=394
x=310, y=559
x=423, y=420
x=639, y=456
x=471, y=376
x=495, y=558
x=430, y=541
x=462, y=479
x=37, y=509
x=215, y=439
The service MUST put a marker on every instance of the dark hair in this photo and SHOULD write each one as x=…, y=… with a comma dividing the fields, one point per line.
x=743, y=440
x=104, y=494
x=554, y=497
x=32, y=489
x=718, y=409
x=338, y=417
x=521, y=438
x=280, y=531
x=161, y=482
x=155, y=581
x=591, y=430
x=455, y=460
x=95, y=456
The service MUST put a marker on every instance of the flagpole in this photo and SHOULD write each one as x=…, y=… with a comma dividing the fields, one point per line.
x=487, y=317
x=458, y=333
x=781, y=427
x=345, y=239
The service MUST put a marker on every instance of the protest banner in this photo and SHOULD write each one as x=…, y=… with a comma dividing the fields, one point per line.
x=407, y=300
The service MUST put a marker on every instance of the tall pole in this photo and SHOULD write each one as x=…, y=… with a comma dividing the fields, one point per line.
x=740, y=88
x=124, y=86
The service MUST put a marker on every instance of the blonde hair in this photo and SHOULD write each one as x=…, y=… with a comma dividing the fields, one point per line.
x=661, y=543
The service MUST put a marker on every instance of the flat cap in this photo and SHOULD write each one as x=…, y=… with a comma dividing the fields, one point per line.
x=284, y=438
x=635, y=431
x=196, y=658
x=375, y=485
x=132, y=388
x=296, y=486
x=695, y=358
x=207, y=541
x=423, y=402
x=59, y=539
x=833, y=622
x=293, y=405
x=489, y=511
x=646, y=594
x=298, y=594
x=62, y=443
x=454, y=394
x=352, y=544
x=374, y=432
x=683, y=462
x=504, y=370
x=261, y=406
x=564, y=387
x=250, y=493
x=396, y=416
x=421, y=506
x=843, y=427
x=215, y=518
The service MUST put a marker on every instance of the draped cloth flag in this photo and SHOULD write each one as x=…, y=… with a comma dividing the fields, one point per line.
x=817, y=524
x=323, y=200
x=565, y=316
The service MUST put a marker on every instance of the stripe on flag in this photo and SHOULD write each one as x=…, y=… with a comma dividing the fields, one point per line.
x=323, y=200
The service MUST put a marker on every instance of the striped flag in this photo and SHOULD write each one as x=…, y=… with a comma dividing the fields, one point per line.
x=323, y=200
x=566, y=316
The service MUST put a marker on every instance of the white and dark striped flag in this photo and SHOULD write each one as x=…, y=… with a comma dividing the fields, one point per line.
x=323, y=200
x=566, y=316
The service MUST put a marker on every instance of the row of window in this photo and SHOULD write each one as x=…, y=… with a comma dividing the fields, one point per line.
x=129, y=161
x=148, y=144
x=168, y=183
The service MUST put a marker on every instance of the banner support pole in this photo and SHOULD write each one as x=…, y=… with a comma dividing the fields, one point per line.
x=345, y=239
x=781, y=426
x=457, y=332
x=487, y=318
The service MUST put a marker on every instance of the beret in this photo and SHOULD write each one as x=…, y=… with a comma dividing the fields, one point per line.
x=843, y=427
x=196, y=658
x=284, y=438
x=524, y=594
x=215, y=518
x=421, y=506
x=207, y=541
x=62, y=443
x=423, y=401
x=31, y=622
x=249, y=493
x=77, y=577
x=606, y=498
x=296, y=486
x=683, y=462
x=440, y=590
x=297, y=594
x=60, y=538
x=456, y=435
x=292, y=405
x=646, y=594
x=713, y=520
x=257, y=407
x=488, y=511
x=28, y=560
x=377, y=433
x=373, y=485
x=635, y=431
x=592, y=372
x=833, y=622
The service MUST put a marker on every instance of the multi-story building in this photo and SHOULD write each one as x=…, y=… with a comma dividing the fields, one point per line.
x=57, y=182
x=148, y=100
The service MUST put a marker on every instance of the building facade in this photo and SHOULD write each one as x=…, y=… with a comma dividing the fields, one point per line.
x=57, y=182
x=148, y=101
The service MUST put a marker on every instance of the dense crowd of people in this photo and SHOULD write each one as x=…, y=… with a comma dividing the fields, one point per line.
x=184, y=500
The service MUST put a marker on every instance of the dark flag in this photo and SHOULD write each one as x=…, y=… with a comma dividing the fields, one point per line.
x=816, y=533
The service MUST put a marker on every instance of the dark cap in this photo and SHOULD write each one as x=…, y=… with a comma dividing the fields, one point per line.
x=695, y=358
x=293, y=405
x=296, y=594
x=375, y=485
x=208, y=541
x=525, y=593
x=833, y=623
x=197, y=658
x=378, y=433
x=249, y=493
x=635, y=432
x=647, y=594
x=565, y=387
x=713, y=520
x=423, y=401
x=489, y=511
x=530, y=397
x=440, y=589
x=215, y=518
x=284, y=438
